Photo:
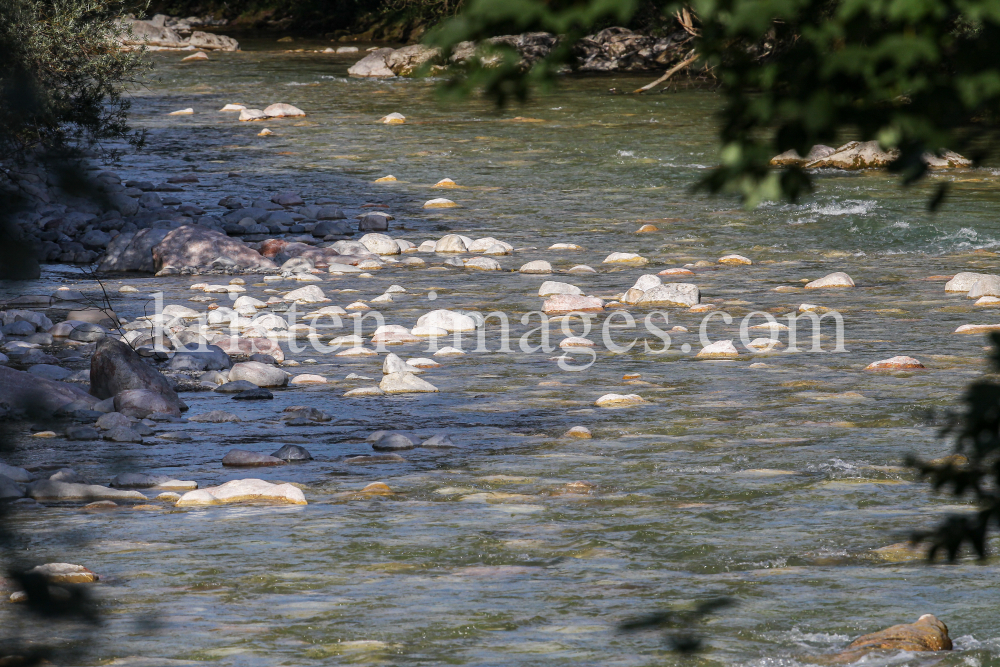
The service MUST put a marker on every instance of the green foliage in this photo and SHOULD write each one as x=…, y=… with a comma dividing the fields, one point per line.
x=917, y=75
x=974, y=472
x=62, y=76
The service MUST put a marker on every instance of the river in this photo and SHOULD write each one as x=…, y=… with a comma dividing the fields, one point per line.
x=773, y=484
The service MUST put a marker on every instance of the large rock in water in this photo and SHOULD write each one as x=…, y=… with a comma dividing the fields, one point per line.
x=140, y=403
x=208, y=40
x=197, y=246
x=856, y=155
x=407, y=60
x=374, y=65
x=28, y=392
x=927, y=634
x=132, y=251
x=793, y=159
x=115, y=367
x=144, y=32
x=243, y=490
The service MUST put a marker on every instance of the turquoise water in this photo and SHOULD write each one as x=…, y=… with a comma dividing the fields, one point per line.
x=774, y=485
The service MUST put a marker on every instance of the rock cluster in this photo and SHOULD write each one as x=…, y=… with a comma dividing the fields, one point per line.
x=861, y=155
x=165, y=33
x=611, y=49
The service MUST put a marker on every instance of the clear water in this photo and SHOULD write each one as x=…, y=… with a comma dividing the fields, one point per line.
x=773, y=485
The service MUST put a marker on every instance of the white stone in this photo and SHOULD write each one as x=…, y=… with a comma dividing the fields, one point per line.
x=963, y=282
x=537, y=266
x=405, y=383
x=446, y=319
x=482, y=264
x=838, y=279
x=648, y=281
x=450, y=243
x=723, y=349
x=440, y=202
x=625, y=258
x=307, y=294
x=244, y=490
x=619, y=400
x=449, y=352
x=380, y=244
x=550, y=287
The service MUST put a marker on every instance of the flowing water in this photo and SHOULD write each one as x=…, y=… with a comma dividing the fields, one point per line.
x=774, y=485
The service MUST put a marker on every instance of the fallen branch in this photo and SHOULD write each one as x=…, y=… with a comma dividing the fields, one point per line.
x=670, y=72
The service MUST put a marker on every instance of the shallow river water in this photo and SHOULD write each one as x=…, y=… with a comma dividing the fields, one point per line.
x=772, y=484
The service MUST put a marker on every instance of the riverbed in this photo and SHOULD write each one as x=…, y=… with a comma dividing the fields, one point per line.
x=772, y=479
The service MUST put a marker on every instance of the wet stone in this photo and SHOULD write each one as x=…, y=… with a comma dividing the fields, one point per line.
x=292, y=453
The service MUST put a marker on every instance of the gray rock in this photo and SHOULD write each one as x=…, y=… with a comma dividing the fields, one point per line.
x=312, y=414
x=292, y=453
x=208, y=358
x=47, y=489
x=15, y=473
x=373, y=65
x=9, y=489
x=375, y=458
x=328, y=228
x=67, y=475
x=132, y=251
x=107, y=405
x=330, y=213
x=287, y=199
x=393, y=442
x=115, y=368
x=259, y=374
x=123, y=204
x=191, y=245
x=18, y=328
x=95, y=239
x=373, y=222
x=138, y=480
x=439, y=441
x=113, y=420
x=215, y=417
x=50, y=372
x=255, y=394
x=24, y=391
x=140, y=403
x=243, y=458
x=236, y=387
x=82, y=433
x=211, y=40
x=671, y=294
x=216, y=377
x=150, y=200
x=122, y=434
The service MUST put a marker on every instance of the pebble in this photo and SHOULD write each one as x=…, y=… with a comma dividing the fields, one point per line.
x=386, y=179
x=977, y=328
x=449, y=351
x=439, y=441
x=445, y=183
x=581, y=268
x=894, y=363
x=440, y=202
x=838, y=279
x=405, y=383
x=537, y=266
x=200, y=55
x=215, y=417
x=626, y=258
x=394, y=118
x=483, y=264
x=292, y=453
x=377, y=488
x=646, y=229
x=64, y=573
x=723, y=349
x=243, y=458
x=676, y=272
x=562, y=304
x=364, y=391
x=619, y=400
x=182, y=112
x=550, y=287
x=579, y=431
x=963, y=282
x=255, y=394
x=393, y=442
x=735, y=260
x=375, y=458
x=565, y=246
x=307, y=379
